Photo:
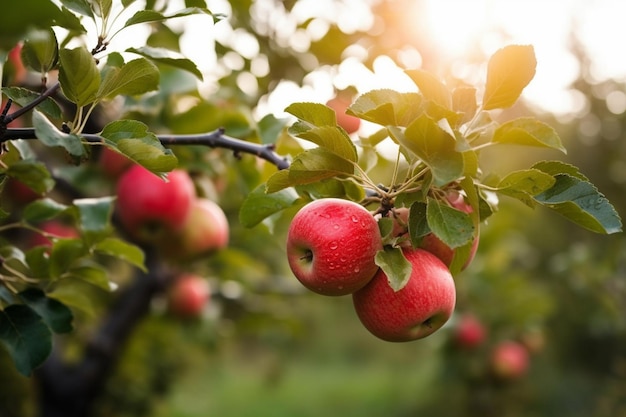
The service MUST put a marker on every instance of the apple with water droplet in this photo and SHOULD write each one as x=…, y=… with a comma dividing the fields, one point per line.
x=331, y=245
x=415, y=311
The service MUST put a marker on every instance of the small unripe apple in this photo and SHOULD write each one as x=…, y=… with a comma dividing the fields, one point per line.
x=348, y=122
x=415, y=311
x=205, y=230
x=469, y=332
x=188, y=296
x=148, y=206
x=52, y=229
x=331, y=245
x=509, y=360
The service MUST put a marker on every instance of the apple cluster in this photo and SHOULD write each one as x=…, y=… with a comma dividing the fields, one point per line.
x=332, y=246
x=168, y=214
x=505, y=360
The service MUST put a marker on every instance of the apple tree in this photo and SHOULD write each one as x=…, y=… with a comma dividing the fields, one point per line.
x=85, y=101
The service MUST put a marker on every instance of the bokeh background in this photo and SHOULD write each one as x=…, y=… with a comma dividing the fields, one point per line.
x=266, y=347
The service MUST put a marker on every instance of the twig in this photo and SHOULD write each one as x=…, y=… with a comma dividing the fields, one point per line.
x=215, y=139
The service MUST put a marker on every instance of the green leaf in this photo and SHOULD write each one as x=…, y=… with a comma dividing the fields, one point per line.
x=122, y=250
x=278, y=181
x=259, y=205
x=133, y=78
x=64, y=253
x=25, y=336
x=17, y=19
x=95, y=215
x=509, y=71
x=431, y=87
x=42, y=209
x=318, y=164
x=102, y=8
x=525, y=184
x=168, y=57
x=49, y=135
x=529, y=132
x=464, y=102
x=56, y=315
x=453, y=227
x=79, y=6
x=41, y=50
x=32, y=173
x=387, y=107
x=91, y=272
x=332, y=139
x=270, y=128
x=313, y=114
x=144, y=16
x=434, y=146
x=133, y=139
x=23, y=97
x=78, y=75
x=395, y=265
x=580, y=202
x=418, y=224
x=74, y=293
x=557, y=167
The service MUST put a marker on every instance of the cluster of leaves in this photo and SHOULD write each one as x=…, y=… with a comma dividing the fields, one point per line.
x=40, y=284
x=439, y=133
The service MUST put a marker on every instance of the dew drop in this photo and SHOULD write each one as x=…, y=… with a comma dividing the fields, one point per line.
x=333, y=245
x=355, y=219
x=357, y=269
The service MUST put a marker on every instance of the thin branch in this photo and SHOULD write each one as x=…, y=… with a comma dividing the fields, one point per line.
x=215, y=139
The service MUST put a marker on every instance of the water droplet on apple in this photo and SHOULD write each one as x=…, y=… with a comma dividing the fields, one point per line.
x=334, y=245
x=355, y=219
x=357, y=269
x=336, y=226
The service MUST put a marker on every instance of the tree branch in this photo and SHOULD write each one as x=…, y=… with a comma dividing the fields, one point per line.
x=215, y=139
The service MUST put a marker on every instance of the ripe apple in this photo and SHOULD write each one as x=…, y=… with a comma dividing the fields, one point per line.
x=205, y=230
x=417, y=310
x=509, y=360
x=113, y=163
x=149, y=206
x=331, y=245
x=339, y=104
x=16, y=68
x=19, y=193
x=188, y=296
x=434, y=245
x=52, y=229
x=469, y=332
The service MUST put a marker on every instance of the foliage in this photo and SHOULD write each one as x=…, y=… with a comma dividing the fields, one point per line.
x=440, y=133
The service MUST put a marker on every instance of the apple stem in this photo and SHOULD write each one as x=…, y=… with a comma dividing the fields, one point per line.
x=308, y=256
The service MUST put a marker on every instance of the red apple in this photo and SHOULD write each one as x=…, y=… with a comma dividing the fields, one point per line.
x=331, y=245
x=434, y=245
x=149, y=206
x=52, y=229
x=113, y=163
x=16, y=66
x=19, y=192
x=205, y=230
x=509, y=360
x=469, y=332
x=417, y=310
x=188, y=296
x=348, y=122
